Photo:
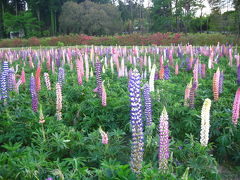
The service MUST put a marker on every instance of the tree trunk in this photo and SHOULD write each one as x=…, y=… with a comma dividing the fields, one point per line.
x=1, y=21
x=52, y=23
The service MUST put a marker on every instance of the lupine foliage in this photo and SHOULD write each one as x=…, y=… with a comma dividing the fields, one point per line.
x=73, y=148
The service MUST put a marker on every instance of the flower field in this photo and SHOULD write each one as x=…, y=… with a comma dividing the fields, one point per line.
x=115, y=112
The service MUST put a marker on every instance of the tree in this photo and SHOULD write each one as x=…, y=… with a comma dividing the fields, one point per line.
x=24, y=21
x=90, y=18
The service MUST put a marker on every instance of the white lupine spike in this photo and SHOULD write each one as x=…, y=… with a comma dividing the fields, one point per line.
x=91, y=73
x=111, y=64
x=151, y=79
x=205, y=122
x=149, y=64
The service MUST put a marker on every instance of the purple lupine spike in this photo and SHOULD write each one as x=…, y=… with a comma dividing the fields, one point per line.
x=148, y=105
x=10, y=77
x=99, y=77
x=221, y=79
x=188, y=68
x=200, y=70
x=238, y=75
x=34, y=94
x=136, y=122
x=166, y=72
x=5, y=66
x=61, y=76
x=4, y=92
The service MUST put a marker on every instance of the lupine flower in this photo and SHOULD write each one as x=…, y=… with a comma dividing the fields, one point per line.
x=148, y=105
x=236, y=106
x=41, y=117
x=4, y=92
x=38, y=80
x=86, y=67
x=5, y=66
x=176, y=69
x=136, y=122
x=221, y=79
x=187, y=94
x=192, y=96
x=61, y=76
x=200, y=70
x=216, y=77
x=58, y=101
x=79, y=74
x=47, y=81
x=205, y=122
x=151, y=79
x=23, y=76
x=195, y=74
x=166, y=73
x=99, y=77
x=163, y=155
x=33, y=94
x=104, y=95
x=104, y=136
x=203, y=71
x=161, y=73
x=238, y=75
x=10, y=79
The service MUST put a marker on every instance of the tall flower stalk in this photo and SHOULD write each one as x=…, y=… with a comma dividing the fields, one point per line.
x=216, y=78
x=205, y=122
x=236, y=107
x=34, y=94
x=99, y=77
x=136, y=122
x=163, y=154
x=47, y=81
x=58, y=101
x=148, y=105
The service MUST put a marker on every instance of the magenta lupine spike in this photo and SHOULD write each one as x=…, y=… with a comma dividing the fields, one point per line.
x=136, y=122
x=192, y=96
x=163, y=154
x=236, y=106
x=34, y=94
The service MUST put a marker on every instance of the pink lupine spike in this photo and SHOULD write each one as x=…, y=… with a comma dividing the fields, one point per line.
x=176, y=69
x=236, y=106
x=79, y=74
x=104, y=136
x=23, y=78
x=161, y=60
x=38, y=80
x=203, y=71
x=81, y=66
x=195, y=74
x=230, y=57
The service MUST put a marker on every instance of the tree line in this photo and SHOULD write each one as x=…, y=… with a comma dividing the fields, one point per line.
x=42, y=18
